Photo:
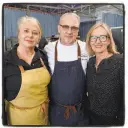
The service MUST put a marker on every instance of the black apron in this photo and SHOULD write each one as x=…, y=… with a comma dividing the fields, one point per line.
x=66, y=93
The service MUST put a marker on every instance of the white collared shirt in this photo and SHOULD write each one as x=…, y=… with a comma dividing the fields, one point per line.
x=66, y=53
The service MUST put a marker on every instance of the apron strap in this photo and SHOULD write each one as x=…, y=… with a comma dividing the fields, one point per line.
x=67, y=108
x=78, y=51
x=67, y=111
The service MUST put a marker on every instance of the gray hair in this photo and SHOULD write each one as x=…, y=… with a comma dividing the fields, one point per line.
x=70, y=13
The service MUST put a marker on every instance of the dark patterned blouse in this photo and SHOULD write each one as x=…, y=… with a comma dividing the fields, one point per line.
x=106, y=86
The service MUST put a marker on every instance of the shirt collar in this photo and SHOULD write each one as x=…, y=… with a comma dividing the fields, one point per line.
x=105, y=63
x=13, y=58
x=60, y=41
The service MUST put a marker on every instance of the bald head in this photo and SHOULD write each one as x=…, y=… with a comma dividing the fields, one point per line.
x=70, y=15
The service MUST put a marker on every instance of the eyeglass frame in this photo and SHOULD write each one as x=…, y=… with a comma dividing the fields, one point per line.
x=99, y=38
x=76, y=28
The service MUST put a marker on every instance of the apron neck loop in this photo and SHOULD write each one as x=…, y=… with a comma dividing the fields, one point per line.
x=56, y=53
x=78, y=51
x=42, y=63
x=21, y=68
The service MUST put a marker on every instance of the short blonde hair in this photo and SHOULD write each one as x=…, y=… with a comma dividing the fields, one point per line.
x=31, y=19
x=111, y=47
x=70, y=13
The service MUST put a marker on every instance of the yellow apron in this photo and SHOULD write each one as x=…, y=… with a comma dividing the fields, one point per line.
x=25, y=109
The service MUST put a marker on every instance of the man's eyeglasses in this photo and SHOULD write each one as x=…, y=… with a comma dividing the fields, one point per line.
x=66, y=28
x=102, y=38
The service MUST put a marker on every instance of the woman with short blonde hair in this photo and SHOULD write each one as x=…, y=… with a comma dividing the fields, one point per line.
x=26, y=77
x=23, y=19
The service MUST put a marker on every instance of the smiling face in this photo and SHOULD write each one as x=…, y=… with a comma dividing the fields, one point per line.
x=28, y=34
x=68, y=29
x=100, y=44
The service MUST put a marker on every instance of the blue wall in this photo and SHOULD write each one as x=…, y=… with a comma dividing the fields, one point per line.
x=113, y=20
x=48, y=22
x=84, y=28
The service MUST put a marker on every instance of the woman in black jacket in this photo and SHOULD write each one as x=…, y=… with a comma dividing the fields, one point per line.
x=26, y=77
x=105, y=78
